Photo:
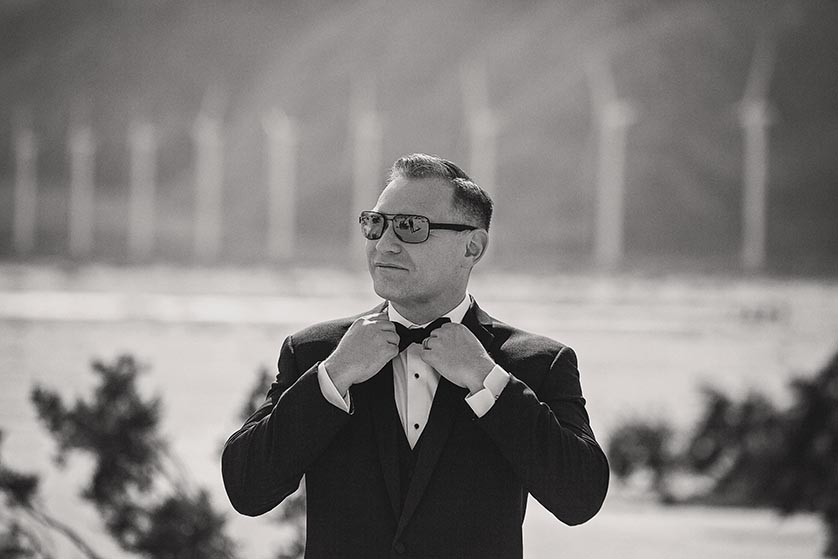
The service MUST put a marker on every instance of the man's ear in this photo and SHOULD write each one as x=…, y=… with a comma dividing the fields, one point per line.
x=477, y=244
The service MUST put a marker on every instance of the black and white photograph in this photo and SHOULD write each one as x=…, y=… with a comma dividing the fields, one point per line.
x=453, y=279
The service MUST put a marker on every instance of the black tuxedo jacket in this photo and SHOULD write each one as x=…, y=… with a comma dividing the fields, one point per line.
x=468, y=492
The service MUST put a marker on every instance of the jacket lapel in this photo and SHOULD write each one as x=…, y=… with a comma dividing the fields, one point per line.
x=480, y=325
x=448, y=404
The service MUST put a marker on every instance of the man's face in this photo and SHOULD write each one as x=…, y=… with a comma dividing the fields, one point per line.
x=425, y=274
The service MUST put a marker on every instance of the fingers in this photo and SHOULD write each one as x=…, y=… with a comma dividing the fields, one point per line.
x=380, y=324
x=379, y=318
x=387, y=327
x=443, y=332
x=433, y=340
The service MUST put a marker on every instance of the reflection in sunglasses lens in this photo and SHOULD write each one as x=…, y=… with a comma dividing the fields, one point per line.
x=408, y=228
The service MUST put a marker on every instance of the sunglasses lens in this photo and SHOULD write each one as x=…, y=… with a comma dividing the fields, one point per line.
x=411, y=228
x=408, y=228
x=372, y=225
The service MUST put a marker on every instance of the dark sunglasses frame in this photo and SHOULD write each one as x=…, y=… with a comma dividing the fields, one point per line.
x=393, y=217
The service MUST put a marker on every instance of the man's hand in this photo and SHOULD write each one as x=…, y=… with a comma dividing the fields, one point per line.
x=457, y=355
x=369, y=344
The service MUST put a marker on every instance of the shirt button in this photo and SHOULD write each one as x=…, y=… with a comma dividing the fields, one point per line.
x=415, y=375
x=415, y=425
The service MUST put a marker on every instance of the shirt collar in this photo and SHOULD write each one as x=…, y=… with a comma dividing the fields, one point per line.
x=454, y=315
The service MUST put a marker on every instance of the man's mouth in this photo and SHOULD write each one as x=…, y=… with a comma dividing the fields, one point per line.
x=389, y=266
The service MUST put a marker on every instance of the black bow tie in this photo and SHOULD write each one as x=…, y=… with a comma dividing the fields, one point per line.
x=409, y=336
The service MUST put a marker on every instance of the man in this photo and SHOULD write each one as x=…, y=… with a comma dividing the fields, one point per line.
x=420, y=442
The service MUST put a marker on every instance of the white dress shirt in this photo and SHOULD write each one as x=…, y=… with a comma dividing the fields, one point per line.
x=415, y=382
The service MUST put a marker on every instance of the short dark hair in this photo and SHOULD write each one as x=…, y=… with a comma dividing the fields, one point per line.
x=469, y=199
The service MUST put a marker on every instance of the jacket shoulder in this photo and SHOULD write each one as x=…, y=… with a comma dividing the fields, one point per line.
x=547, y=366
x=328, y=332
x=521, y=343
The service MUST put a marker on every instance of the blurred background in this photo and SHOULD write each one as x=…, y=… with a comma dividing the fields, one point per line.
x=180, y=180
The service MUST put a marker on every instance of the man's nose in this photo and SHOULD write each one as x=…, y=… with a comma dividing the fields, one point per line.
x=388, y=242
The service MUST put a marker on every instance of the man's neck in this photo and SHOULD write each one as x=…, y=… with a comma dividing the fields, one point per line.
x=422, y=314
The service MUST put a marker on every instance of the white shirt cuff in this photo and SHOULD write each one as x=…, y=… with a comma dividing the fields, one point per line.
x=330, y=391
x=494, y=383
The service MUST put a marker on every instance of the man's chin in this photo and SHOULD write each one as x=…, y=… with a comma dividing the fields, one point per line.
x=386, y=289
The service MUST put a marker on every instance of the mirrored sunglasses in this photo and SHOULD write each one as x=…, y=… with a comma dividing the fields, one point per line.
x=408, y=228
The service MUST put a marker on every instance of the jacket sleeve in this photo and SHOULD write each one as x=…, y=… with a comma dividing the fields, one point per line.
x=264, y=461
x=549, y=442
